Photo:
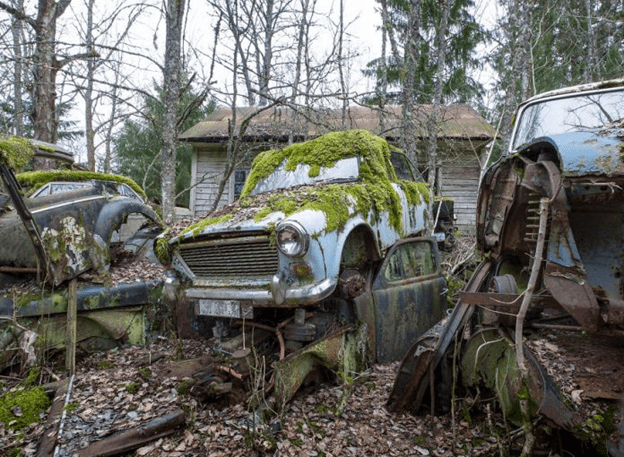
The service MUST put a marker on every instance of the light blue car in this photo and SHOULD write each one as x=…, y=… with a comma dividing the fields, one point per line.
x=322, y=240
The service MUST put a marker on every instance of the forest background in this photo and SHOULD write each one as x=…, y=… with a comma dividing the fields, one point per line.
x=115, y=82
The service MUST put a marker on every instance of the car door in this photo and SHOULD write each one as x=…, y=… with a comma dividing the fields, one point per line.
x=409, y=295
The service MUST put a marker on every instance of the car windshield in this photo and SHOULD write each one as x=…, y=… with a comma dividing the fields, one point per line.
x=573, y=113
x=344, y=170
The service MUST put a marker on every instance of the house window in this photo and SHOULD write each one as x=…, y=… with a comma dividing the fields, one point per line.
x=239, y=181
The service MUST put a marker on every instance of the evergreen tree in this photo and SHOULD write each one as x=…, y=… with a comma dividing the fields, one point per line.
x=137, y=146
x=463, y=34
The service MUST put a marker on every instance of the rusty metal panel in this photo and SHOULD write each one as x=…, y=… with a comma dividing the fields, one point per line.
x=240, y=256
x=489, y=359
x=409, y=295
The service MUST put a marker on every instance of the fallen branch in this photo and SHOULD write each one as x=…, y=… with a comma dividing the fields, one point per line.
x=135, y=437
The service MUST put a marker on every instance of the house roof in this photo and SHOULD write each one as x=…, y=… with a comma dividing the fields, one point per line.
x=278, y=123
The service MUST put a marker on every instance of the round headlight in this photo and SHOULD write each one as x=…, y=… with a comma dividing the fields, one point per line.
x=292, y=239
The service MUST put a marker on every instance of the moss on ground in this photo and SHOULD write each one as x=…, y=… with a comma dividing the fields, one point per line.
x=20, y=408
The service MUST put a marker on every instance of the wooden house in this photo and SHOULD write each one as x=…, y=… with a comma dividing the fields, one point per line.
x=461, y=132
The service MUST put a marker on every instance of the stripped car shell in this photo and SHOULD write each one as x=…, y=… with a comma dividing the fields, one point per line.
x=558, y=191
x=62, y=234
x=306, y=249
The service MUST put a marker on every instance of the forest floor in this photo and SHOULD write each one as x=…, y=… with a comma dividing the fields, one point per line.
x=121, y=389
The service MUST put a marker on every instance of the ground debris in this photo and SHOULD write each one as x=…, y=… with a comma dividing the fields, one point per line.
x=113, y=393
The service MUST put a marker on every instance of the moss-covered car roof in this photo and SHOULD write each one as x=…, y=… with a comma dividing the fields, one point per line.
x=15, y=152
x=33, y=180
x=338, y=202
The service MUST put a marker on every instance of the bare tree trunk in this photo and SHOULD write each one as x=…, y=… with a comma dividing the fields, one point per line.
x=231, y=12
x=410, y=59
x=301, y=39
x=343, y=86
x=382, y=92
x=88, y=97
x=432, y=149
x=591, y=45
x=512, y=87
x=267, y=57
x=111, y=124
x=171, y=82
x=524, y=49
x=18, y=39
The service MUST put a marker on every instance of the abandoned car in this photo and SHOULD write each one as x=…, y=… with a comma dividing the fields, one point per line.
x=326, y=250
x=550, y=220
x=66, y=229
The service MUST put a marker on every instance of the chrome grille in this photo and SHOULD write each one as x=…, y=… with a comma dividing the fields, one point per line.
x=248, y=256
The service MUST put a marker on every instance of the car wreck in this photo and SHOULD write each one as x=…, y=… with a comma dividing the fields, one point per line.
x=61, y=225
x=549, y=294
x=323, y=264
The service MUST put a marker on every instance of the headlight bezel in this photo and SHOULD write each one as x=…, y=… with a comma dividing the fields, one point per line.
x=290, y=248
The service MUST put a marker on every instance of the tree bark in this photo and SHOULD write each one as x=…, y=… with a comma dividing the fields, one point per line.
x=88, y=97
x=410, y=59
x=171, y=83
x=18, y=39
x=432, y=149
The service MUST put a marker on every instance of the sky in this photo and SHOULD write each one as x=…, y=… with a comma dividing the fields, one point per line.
x=363, y=31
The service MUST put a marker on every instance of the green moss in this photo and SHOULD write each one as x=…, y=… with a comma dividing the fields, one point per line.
x=15, y=452
x=30, y=404
x=144, y=372
x=35, y=179
x=32, y=378
x=71, y=407
x=184, y=387
x=25, y=298
x=419, y=440
x=198, y=227
x=132, y=387
x=15, y=152
x=324, y=151
x=326, y=410
x=105, y=364
x=338, y=202
x=163, y=250
x=597, y=429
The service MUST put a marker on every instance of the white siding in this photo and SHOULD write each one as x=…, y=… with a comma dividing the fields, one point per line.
x=209, y=169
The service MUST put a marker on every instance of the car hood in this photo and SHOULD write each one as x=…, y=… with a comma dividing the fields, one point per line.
x=317, y=208
x=587, y=152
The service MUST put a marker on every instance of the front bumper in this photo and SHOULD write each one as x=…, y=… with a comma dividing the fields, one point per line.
x=280, y=293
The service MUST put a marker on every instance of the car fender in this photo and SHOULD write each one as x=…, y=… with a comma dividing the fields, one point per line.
x=333, y=244
x=113, y=214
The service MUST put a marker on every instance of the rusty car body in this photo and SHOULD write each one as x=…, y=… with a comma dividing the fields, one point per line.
x=61, y=231
x=66, y=228
x=550, y=221
x=326, y=251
